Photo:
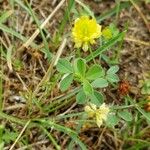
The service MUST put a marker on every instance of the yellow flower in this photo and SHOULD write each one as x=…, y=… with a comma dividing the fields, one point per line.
x=107, y=33
x=98, y=114
x=85, y=31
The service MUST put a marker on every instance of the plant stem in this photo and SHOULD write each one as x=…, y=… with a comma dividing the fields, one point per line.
x=13, y=119
x=92, y=55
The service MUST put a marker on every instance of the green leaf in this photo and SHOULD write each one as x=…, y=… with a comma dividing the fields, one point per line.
x=112, y=78
x=112, y=120
x=87, y=88
x=97, y=98
x=95, y=72
x=105, y=47
x=112, y=11
x=146, y=87
x=86, y=9
x=66, y=16
x=2, y=145
x=144, y=113
x=80, y=67
x=126, y=115
x=64, y=66
x=73, y=134
x=5, y=15
x=66, y=82
x=4, y=28
x=9, y=136
x=81, y=97
x=114, y=29
x=100, y=83
x=113, y=70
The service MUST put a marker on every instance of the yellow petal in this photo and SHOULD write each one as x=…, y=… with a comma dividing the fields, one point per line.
x=104, y=109
x=85, y=31
x=98, y=121
x=89, y=111
x=78, y=44
x=85, y=46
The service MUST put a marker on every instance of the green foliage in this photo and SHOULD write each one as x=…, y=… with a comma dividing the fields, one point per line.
x=111, y=74
x=147, y=1
x=146, y=87
x=112, y=78
x=100, y=83
x=87, y=87
x=64, y=66
x=109, y=32
x=2, y=145
x=112, y=120
x=80, y=67
x=18, y=64
x=97, y=98
x=81, y=97
x=126, y=115
x=94, y=72
x=5, y=15
x=66, y=82
x=113, y=70
x=9, y=136
x=90, y=78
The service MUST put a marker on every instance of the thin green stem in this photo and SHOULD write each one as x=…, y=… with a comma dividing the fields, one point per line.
x=92, y=55
x=117, y=10
x=138, y=140
x=1, y=80
x=69, y=115
x=13, y=119
x=50, y=137
x=122, y=107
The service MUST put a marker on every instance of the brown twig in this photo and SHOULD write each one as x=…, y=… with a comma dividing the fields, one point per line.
x=141, y=14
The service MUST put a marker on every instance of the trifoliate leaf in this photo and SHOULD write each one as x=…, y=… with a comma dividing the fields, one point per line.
x=95, y=72
x=66, y=82
x=80, y=67
x=126, y=115
x=97, y=98
x=112, y=78
x=87, y=88
x=81, y=97
x=100, y=83
x=113, y=70
x=64, y=66
x=112, y=120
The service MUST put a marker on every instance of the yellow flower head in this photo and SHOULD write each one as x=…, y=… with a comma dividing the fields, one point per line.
x=85, y=31
x=107, y=33
x=99, y=114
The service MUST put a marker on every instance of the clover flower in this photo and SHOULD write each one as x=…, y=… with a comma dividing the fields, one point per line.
x=85, y=31
x=98, y=114
x=107, y=33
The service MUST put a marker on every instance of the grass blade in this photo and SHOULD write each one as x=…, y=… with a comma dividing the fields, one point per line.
x=113, y=11
x=68, y=131
x=66, y=16
x=104, y=47
x=47, y=52
x=145, y=114
x=50, y=137
x=5, y=16
x=21, y=37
